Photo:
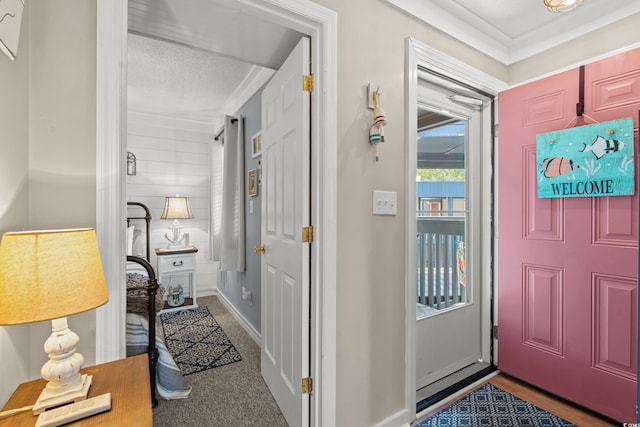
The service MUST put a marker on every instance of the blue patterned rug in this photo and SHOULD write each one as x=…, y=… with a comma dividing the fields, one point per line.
x=196, y=341
x=490, y=406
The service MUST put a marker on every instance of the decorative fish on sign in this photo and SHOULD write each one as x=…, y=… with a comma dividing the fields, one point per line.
x=595, y=160
x=602, y=146
x=556, y=166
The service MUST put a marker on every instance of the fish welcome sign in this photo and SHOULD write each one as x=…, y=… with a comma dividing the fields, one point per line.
x=586, y=161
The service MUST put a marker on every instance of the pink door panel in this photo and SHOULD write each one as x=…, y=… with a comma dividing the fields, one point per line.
x=567, y=268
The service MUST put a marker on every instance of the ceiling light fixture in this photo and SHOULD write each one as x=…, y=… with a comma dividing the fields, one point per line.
x=562, y=5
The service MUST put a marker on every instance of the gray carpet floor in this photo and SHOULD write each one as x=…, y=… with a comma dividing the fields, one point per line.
x=230, y=395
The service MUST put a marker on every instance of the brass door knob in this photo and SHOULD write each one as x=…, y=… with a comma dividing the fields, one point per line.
x=259, y=248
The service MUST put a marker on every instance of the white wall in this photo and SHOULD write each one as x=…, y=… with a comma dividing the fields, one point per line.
x=173, y=158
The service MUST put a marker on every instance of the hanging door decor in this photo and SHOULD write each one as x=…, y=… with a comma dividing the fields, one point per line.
x=587, y=161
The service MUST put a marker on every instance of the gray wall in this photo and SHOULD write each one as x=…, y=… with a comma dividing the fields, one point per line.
x=231, y=289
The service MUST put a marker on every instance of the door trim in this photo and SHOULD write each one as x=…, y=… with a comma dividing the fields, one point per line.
x=304, y=16
x=419, y=54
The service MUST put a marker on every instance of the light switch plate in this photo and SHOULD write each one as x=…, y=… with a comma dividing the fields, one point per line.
x=385, y=202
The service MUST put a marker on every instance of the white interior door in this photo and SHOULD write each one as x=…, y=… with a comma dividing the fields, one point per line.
x=448, y=319
x=285, y=211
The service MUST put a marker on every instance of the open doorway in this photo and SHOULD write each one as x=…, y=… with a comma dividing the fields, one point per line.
x=448, y=216
x=308, y=18
x=449, y=272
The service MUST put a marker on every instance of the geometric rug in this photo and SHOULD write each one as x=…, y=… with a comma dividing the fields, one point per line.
x=491, y=406
x=196, y=341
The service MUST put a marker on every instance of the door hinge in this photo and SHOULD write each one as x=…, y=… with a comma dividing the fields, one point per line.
x=307, y=83
x=307, y=385
x=495, y=332
x=307, y=234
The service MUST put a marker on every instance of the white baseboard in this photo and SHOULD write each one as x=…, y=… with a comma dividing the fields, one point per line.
x=253, y=333
x=207, y=292
x=399, y=419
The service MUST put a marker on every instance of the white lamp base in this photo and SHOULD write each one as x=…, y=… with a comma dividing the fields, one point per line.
x=177, y=238
x=62, y=370
x=49, y=400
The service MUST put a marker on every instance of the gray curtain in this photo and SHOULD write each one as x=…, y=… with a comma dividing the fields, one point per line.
x=232, y=219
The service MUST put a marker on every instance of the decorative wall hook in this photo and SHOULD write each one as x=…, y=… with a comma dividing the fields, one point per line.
x=376, y=131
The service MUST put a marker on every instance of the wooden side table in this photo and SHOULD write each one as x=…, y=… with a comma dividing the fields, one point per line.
x=126, y=379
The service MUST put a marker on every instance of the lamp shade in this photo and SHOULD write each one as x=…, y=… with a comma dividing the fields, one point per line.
x=49, y=274
x=177, y=208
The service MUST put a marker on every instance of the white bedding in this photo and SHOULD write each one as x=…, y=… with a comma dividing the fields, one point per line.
x=135, y=242
x=134, y=267
x=169, y=381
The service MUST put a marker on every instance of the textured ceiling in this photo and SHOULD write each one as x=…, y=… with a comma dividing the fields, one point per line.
x=229, y=37
x=173, y=80
x=200, y=59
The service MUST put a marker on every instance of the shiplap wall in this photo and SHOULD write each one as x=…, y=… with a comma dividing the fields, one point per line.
x=172, y=157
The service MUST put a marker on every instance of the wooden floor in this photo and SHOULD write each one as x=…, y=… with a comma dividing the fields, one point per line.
x=569, y=411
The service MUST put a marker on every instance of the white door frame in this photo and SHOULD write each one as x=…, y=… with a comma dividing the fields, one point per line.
x=303, y=16
x=420, y=54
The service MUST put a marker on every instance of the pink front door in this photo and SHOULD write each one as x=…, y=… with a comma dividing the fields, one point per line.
x=567, y=268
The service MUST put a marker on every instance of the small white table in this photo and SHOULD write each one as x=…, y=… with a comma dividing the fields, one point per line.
x=176, y=274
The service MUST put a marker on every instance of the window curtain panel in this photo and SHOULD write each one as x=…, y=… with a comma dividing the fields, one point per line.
x=217, y=178
x=233, y=231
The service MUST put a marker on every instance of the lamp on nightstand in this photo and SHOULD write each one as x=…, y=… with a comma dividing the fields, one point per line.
x=48, y=275
x=176, y=208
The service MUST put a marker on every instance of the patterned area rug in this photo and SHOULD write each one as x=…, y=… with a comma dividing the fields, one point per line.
x=491, y=406
x=196, y=341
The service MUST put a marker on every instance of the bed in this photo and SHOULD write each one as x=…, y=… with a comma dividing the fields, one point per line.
x=144, y=301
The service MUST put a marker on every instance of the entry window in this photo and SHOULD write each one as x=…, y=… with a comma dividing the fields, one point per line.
x=441, y=212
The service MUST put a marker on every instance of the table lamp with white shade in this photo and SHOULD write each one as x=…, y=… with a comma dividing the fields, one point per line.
x=176, y=208
x=48, y=275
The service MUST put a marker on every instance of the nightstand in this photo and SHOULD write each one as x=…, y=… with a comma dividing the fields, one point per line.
x=176, y=270
x=126, y=379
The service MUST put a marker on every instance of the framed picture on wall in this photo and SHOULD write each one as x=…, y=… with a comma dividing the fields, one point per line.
x=253, y=183
x=256, y=147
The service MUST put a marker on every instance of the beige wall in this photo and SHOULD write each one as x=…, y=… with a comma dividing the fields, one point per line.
x=370, y=258
x=578, y=51
x=62, y=148
x=14, y=206
x=370, y=276
x=62, y=136
x=48, y=145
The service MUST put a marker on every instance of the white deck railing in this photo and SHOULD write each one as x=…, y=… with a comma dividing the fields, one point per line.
x=440, y=281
